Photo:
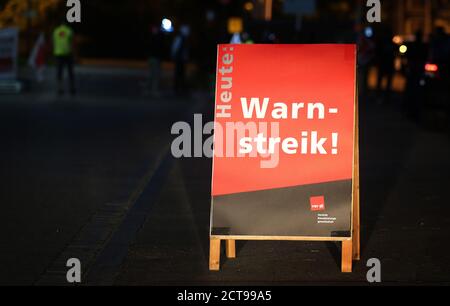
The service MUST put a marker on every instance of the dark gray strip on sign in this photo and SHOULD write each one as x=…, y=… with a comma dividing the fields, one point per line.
x=285, y=211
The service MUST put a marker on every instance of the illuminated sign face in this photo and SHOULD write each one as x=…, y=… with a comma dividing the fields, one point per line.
x=284, y=140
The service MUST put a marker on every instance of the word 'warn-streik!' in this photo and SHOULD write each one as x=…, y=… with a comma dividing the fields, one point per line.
x=308, y=142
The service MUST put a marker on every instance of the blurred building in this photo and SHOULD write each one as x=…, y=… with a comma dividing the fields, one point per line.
x=411, y=15
x=31, y=17
x=22, y=13
x=121, y=28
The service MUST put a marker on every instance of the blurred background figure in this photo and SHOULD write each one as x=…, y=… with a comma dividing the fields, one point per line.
x=156, y=53
x=63, y=53
x=236, y=38
x=416, y=59
x=180, y=55
x=436, y=79
x=246, y=39
x=440, y=50
x=366, y=53
x=385, y=57
x=37, y=59
x=440, y=56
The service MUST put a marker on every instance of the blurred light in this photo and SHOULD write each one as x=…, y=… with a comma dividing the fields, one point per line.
x=166, y=25
x=368, y=32
x=431, y=67
x=235, y=25
x=185, y=30
x=210, y=15
x=236, y=39
x=398, y=63
x=403, y=49
x=397, y=39
x=248, y=6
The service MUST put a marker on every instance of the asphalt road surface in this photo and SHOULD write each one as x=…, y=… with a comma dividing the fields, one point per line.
x=92, y=177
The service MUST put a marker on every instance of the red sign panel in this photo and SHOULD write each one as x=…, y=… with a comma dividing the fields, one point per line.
x=284, y=133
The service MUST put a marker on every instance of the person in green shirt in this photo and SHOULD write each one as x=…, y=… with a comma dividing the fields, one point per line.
x=63, y=53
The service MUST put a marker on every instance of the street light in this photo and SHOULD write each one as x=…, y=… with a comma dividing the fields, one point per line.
x=248, y=6
x=166, y=25
x=403, y=49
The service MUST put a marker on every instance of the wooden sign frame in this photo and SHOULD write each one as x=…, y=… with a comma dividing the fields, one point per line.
x=350, y=246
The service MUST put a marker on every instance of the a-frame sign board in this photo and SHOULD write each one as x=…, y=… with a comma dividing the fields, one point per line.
x=286, y=147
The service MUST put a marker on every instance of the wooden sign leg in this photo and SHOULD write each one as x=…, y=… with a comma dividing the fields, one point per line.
x=356, y=223
x=231, y=248
x=356, y=211
x=346, y=265
x=214, y=254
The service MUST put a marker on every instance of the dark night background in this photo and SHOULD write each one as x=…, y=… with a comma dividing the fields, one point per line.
x=90, y=174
